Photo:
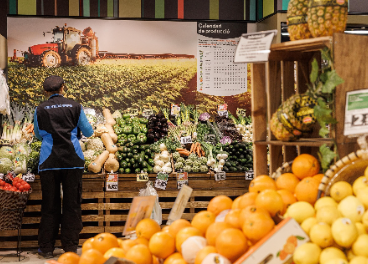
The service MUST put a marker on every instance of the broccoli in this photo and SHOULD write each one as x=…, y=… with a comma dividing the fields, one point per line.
x=181, y=159
x=192, y=156
x=95, y=144
x=178, y=165
x=36, y=146
x=188, y=162
x=187, y=168
x=203, y=168
x=33, y=161
x=176, y=155
x=203, y=160
x=195, y=168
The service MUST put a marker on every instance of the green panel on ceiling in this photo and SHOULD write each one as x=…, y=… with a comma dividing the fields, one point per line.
x=159, y=9
x=86, y=8
x=259, y=9
x=253, y=10
x=268, y=7
x=12, y=7
x=214, y=9
x=285, y=4
x=110, y=8
x=27, y=7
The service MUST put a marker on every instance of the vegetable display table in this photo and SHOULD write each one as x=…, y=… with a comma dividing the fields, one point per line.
x=107, y=211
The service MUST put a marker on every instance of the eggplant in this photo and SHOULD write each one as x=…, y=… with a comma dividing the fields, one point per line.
x=153, y=118
x=157, y=134
x=163, y=120
x=160, y=115
x=150, y=131
x=162, y=134
x=158, y=124
x=164, y=129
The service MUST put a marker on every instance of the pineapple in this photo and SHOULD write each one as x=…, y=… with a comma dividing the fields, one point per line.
x=326, y=17
x=296, y=20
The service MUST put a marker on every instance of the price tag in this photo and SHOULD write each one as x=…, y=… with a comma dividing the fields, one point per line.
x=133, y=111
x=161, y=180
x=143, y=177
x=241, y=112
x=175, y=110
x=112, y=182
x=186, y=140
x=220, y=176
x=210, y=138
x=1, y=176
x=356, y=113
x=223, y=113
x=182, y=179
x=249, y=175
x=29, y=177
x=147, y=113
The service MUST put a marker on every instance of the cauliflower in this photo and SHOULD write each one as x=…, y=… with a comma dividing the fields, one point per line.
x=197, y=163
x=192, y=156
x=5, y=165
x=7, y=152
x=176, y=155
x=195, y=168
x=83, y=146
x=116, y=114
x=89, y=155
x=181, y=159
x=203, y=168
x=203, y=160
x=188, y=162
x=95, y=144
x=178, y=165
x=187, y=168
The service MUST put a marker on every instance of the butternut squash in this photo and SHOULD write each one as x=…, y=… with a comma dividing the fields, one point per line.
x=108, y=117
x=111, y=132
x=111, y=164
x=96, y=165
x=108, y=143
x=100, y=128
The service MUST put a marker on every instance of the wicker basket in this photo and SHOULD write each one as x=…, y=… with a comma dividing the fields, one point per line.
x=12, y=205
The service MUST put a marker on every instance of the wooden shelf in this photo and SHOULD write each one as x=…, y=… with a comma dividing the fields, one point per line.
x=305, y=45
x=303, y=142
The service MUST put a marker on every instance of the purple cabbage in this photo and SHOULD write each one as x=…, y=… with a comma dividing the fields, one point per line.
x=204, y=117
x=225, y=140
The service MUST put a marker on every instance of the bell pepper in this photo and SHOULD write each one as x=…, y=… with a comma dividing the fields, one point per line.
x=126, y=116
x=142, y=138
x=128, y=121
x=143, y=128
x=121, y=136
x=120, y=122
x=143, y=120
x=127, y=129
x=122, y=141
x=136, y=130
x=131, y=138
x=135, y=119
x=118, y=130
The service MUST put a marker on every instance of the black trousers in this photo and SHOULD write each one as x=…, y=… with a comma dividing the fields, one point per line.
x=51, y=217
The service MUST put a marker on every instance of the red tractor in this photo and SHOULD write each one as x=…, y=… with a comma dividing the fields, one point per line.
x=69, y=46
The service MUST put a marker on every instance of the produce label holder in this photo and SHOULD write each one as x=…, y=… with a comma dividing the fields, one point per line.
x=142, y=177
x=220, y=176
x=241, y=112
x=112, y=182
x=175, y=110
x=249, y=175
x=29, y=177
x=182, y=179
x=147, y=113
x=222, y=110
x=180, y=204
x=161, y=180
x=356, y=113
x=186, y=140
x=141, y=208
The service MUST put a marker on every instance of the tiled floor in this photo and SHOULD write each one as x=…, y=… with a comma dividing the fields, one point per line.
x=28, y=256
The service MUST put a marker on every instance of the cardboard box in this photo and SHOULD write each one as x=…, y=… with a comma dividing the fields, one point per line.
x=278, y=246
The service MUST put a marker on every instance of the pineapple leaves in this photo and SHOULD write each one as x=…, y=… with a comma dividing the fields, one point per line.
x=333, y=80
x=326, y=155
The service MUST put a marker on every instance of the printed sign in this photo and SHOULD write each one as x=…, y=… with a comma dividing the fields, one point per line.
x=186, y=140
x=222, y=110
x=133, y=111
x=175, y=110
x=161, y=180
x=356, y=113
x=254, y=47
x=112, y=182
x=220, y=176
x=29, y=177
x=180, y=204
x=210, y=138
x=143, y=177
x=141, y=208
x=249, y=175
x=147, y=113
x=241, y=112
x=182, y=179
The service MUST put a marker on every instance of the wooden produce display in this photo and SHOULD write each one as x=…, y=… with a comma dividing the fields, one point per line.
x=286, y=73
x=107, y=211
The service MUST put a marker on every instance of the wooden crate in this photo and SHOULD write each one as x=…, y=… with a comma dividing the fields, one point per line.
x=286, y=73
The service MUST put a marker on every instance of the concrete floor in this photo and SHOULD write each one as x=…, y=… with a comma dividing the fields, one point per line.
x=29, y=256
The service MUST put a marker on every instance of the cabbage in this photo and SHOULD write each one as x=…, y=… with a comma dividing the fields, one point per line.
x=6, y=152
x=6, y=165
x=204, y=117
x=95, y=144
x=225, y=140
x=22, y=149
x=20, y=164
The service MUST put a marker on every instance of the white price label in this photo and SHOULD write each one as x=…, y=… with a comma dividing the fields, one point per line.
x=161, y=180
x=186, y=140
x=112, y=182
x=147, y=113
x=223, y=113
x=249, y=175
x=1, y=176
x=175, y=110
x=29, y=177
x=356, y=113
x=220, y=176
x=142, y=177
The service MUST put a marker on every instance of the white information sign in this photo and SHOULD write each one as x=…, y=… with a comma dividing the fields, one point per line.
x=356, y=112
x=254, y=47
x=112, y=182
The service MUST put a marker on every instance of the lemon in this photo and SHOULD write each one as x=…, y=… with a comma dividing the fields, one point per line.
x=337, y=261
x=328, y=214
x=324, y=201
x=308, y=223
x=359, y=260
x=320, y=234
x=363, y=196
x=350, y=254
x=352, y=208
x=330, y=253
x=340, y=190
x=361, y=229
x=366, y=172
x=360, y=246
x=300, y=211
x=344, y=232
x=365, y=220
x=359, y=183
x=307, y=253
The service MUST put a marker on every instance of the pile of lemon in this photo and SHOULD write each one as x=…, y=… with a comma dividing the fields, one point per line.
x=337, y=225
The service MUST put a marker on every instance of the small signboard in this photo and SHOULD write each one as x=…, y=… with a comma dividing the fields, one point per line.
x=147, y=113
x=112, y=182
x=186, y=140
x=29, y=177
x=241, y=112
x=211, y=138
x=161, y=180
x=249, y=175
x=175, y=110
x=220, y=176
x=180, y=204
x=141, y=208
x=356, y=113
x=222, y=110
x=142, y=177
x=182, y=179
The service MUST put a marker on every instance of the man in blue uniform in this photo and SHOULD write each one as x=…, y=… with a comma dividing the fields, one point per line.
x=58, y=123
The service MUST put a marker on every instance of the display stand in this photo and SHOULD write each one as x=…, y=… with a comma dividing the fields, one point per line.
x=286, y=73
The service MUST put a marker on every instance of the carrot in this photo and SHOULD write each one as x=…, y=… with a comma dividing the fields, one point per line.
x=199, y=151
x=203, y=153
x=192, y=147
x=180, y=149
x=28, y=127
x=185, y=153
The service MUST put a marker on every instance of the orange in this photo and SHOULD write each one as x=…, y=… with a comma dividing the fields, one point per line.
x=219, y=203
x=231, y=244
x=178, y=225
x=233, y=218
x=139, y=254
x=92, y=256
x=155, y=260
x=179, y=261
x=288, y=198
x=165, y=229
x=104, y=241
x=214, y=230
x=114, y=252
x=202, y=221
x=262, y=182
x=251, y=209
x=146, y=228
x=120, y=242
x=248, y=199
x=203, y=253
x=185, y=233
x=256, y=226
x=271, y=201
x=305, y=165
x=162, y=244
x=87, y=244
x=173, y=257
x=128, y=244
x=318, y=177
x=142, y=240
x=307, y=190
x=287, y=181
x=236, y=202
x=69, y=258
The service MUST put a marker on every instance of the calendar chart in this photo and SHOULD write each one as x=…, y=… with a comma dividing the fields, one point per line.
x=217, y=73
